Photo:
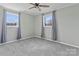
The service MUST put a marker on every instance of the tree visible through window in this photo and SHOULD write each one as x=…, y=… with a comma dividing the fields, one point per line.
x=11, y=19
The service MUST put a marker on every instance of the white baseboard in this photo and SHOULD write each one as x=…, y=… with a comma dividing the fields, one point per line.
x=62, y=43
x=39, y=36
x=42, y=38
x=15, y=40
x=68, y=44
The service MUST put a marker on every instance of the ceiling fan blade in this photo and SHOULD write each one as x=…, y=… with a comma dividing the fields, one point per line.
x=32, y=3
x=39, y=9
x=44, y=5
x=32, y=7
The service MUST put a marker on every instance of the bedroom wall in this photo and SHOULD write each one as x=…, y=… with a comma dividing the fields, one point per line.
x=27, y=25
x=38, y=24
x=68, y=25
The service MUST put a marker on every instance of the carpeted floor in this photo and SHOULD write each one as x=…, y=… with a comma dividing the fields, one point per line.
x=37, y=47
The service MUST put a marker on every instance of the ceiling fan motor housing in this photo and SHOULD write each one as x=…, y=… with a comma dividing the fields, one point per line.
x=37, y=4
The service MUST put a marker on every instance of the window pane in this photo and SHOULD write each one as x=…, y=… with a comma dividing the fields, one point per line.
x=48, y=20
x=11, y=18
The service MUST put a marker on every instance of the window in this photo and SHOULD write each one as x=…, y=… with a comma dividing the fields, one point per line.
x=11, y=18
x=47, y=20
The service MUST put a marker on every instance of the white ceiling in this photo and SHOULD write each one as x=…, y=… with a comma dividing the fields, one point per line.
x=25, y=7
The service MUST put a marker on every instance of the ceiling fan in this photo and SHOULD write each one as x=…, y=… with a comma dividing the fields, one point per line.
x=38, y=5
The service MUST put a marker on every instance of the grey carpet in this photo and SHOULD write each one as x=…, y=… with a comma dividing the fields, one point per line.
x=37, y=47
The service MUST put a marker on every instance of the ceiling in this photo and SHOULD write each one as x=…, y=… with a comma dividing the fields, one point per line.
x=25, y=7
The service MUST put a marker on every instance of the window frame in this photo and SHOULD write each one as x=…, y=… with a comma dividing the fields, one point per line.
x=14, y=12
x=44, y=20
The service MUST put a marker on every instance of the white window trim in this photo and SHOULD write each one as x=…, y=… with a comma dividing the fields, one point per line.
x=15, y=13
x=43, y=19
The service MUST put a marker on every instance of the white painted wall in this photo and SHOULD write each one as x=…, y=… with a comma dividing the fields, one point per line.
x=38, y=24
x=27, y=25
x=68, y=25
